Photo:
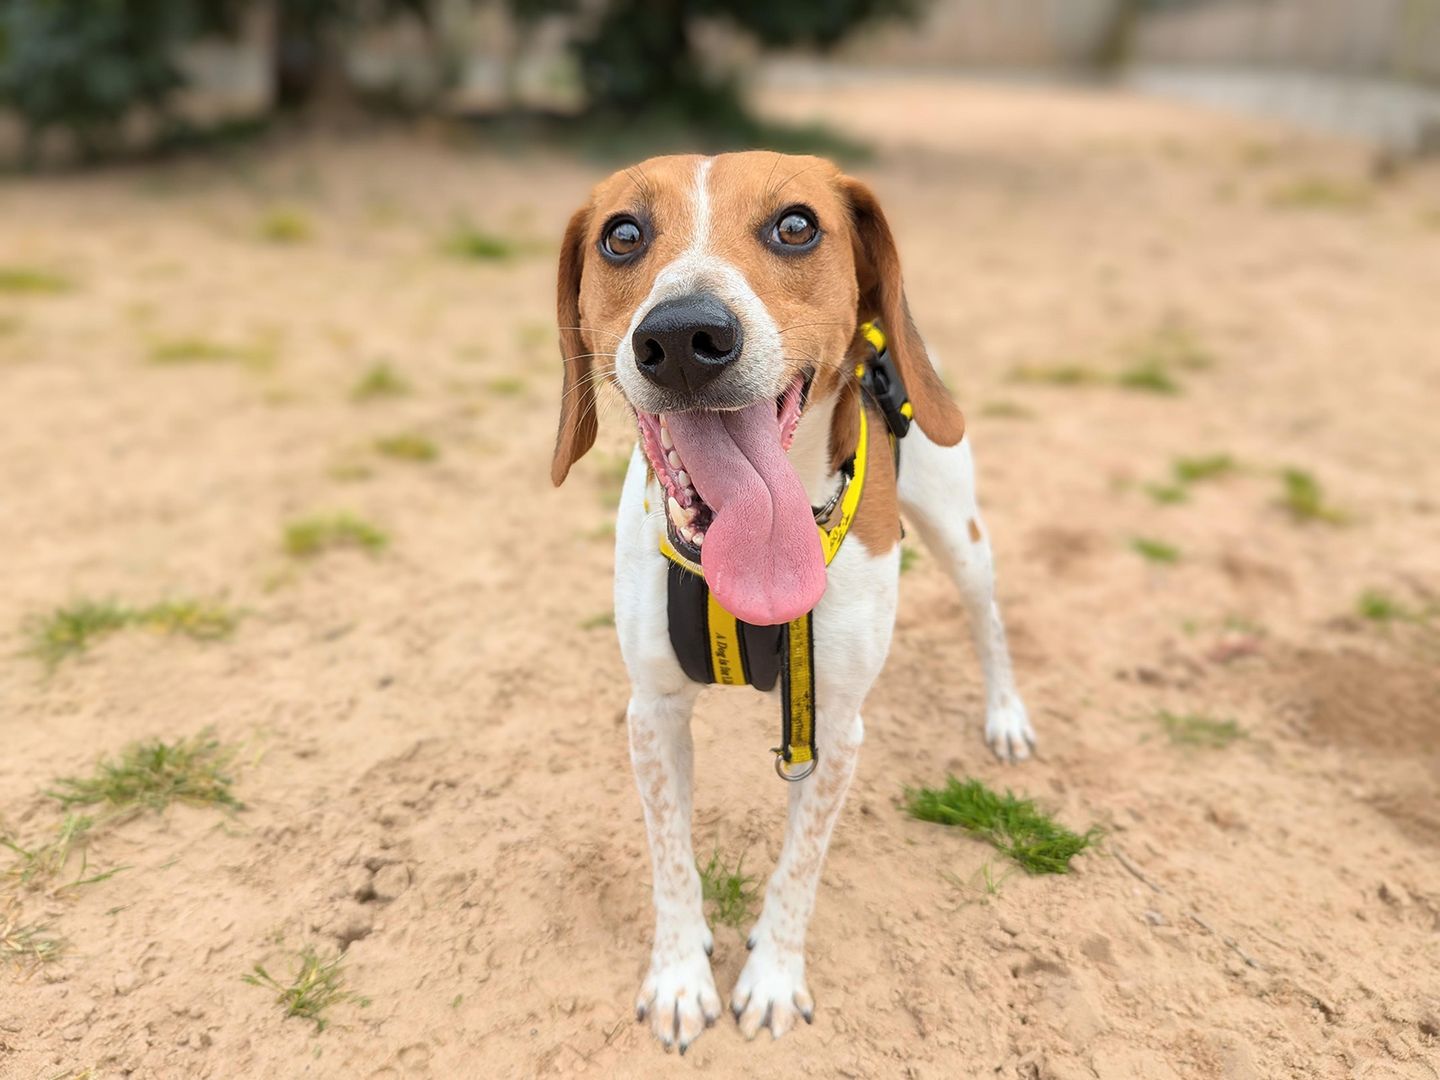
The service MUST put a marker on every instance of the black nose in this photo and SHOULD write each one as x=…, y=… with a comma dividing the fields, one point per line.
x=684, y=343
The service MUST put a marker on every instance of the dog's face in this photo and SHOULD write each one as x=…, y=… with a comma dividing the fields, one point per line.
x=721, y=296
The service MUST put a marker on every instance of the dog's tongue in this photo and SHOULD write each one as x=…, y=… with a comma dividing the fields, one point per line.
x=761, y=555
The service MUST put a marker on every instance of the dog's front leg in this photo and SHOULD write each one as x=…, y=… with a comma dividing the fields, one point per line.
x=771, y=990
x=678, y=996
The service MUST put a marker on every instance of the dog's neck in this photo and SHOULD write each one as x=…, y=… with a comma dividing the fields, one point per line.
x=810, y=452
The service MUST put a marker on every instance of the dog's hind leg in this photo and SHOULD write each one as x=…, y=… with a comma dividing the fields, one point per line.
x=937, y=497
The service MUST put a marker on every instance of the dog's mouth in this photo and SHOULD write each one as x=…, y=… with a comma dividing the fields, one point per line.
x=734, y=503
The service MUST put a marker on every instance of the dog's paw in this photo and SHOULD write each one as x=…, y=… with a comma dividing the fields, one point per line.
x=771, y=993
x=679, y=999
x=1008, y=730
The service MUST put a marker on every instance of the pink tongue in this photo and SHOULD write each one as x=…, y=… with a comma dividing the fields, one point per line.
x=761, y=554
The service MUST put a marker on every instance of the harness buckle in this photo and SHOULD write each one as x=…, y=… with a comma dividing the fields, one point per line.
x=882, y=382
x=781, y=765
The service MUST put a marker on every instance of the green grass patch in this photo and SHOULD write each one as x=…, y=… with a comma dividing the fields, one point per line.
x=407, y=447
x=1150, y=377
x=1304, y=500
x=1156, y=551
x=380, y=381
x=45, y=860
x=1012, y=825
x=1198, y=730
x=195, y=350
x=25, y=279
x=508, y=386
x=1192, y=470
x=598, y=621
x=731, y=894
x=27, y=945
x=153, y=774
x=1057, y=375
x=1321, y=193
x=908, y=558
x=1380, y=607
x=285, y=226
x=317, y=985
x=1006, y=410
x=310, y=536
x=466, y=241
x=71, y=630
x=1168, y=494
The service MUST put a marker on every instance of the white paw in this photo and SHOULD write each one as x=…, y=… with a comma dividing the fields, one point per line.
x=679, y=998
x=1008, y=730
x=771, y=991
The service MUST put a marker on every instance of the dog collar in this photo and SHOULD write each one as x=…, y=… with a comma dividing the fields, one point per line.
x=713, y=646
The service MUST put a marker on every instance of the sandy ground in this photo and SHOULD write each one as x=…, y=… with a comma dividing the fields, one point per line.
x=432, y=755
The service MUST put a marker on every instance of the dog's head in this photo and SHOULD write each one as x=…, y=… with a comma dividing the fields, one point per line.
x=721, y=296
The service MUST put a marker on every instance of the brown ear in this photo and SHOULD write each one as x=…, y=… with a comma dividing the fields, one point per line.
x=882, y=296
x=578, y=424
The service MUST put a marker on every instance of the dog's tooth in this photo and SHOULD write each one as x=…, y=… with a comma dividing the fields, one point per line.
x=674, y=459
x=683, y=479
x=680, y=516
x=699, y=539
x=665, y=440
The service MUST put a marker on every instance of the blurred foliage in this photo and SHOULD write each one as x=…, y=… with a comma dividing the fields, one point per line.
x=89, y=68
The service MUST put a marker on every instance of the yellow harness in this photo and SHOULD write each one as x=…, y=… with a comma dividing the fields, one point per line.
x=713, y=646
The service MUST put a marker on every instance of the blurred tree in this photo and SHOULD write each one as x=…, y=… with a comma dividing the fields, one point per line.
x=87, y=65
x=642, y=54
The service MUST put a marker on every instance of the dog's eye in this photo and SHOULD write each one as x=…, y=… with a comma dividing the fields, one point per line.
x=623, y=238
x=795, y=229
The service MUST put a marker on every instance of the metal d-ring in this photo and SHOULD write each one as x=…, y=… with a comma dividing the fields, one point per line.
x=780, y=764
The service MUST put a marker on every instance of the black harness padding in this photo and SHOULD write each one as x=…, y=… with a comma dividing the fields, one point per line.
x=762, y=648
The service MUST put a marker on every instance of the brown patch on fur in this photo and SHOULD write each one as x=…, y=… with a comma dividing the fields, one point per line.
x=974, y=531
x=877, y=521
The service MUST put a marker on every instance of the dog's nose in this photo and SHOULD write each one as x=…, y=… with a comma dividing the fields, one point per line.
x=683, y=343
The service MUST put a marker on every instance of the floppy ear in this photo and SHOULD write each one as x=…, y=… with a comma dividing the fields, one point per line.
x=882, y=296
x=578, y=425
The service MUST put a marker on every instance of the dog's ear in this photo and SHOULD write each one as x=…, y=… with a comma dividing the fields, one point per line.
x=882, y=296
x=578, y=424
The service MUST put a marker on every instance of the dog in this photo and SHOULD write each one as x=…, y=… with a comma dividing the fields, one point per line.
x=727, y=299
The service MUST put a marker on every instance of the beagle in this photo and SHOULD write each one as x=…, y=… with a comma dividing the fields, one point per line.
x=724, y=298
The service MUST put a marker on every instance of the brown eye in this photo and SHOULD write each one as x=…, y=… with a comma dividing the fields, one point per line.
x=623, y=239
x=795, y=229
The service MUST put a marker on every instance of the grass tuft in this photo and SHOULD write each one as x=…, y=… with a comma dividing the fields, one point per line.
x=153, y=774
x=194, y=350
x=310, y=536
x=1304, y=499
x=70, y=631
x=407, y=447
x=1195, y=729
x=466, y=241
x=27, y=944
x=1012, y=825
x=1057, y=374
x=1320, y=193
x=1156, y=551
x=731, y=894
x=46, y=861
x=1168, y=494
x=598, y=621
x=380, y=381
x=24, y=279
x=1149, y=376
x=1192, y=470
x=285, y=226
x=908, y=558
x=1006, y=410
x=509, y=386
x=318, y=984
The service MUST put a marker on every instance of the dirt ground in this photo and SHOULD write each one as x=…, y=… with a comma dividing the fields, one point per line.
x=431, y=745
